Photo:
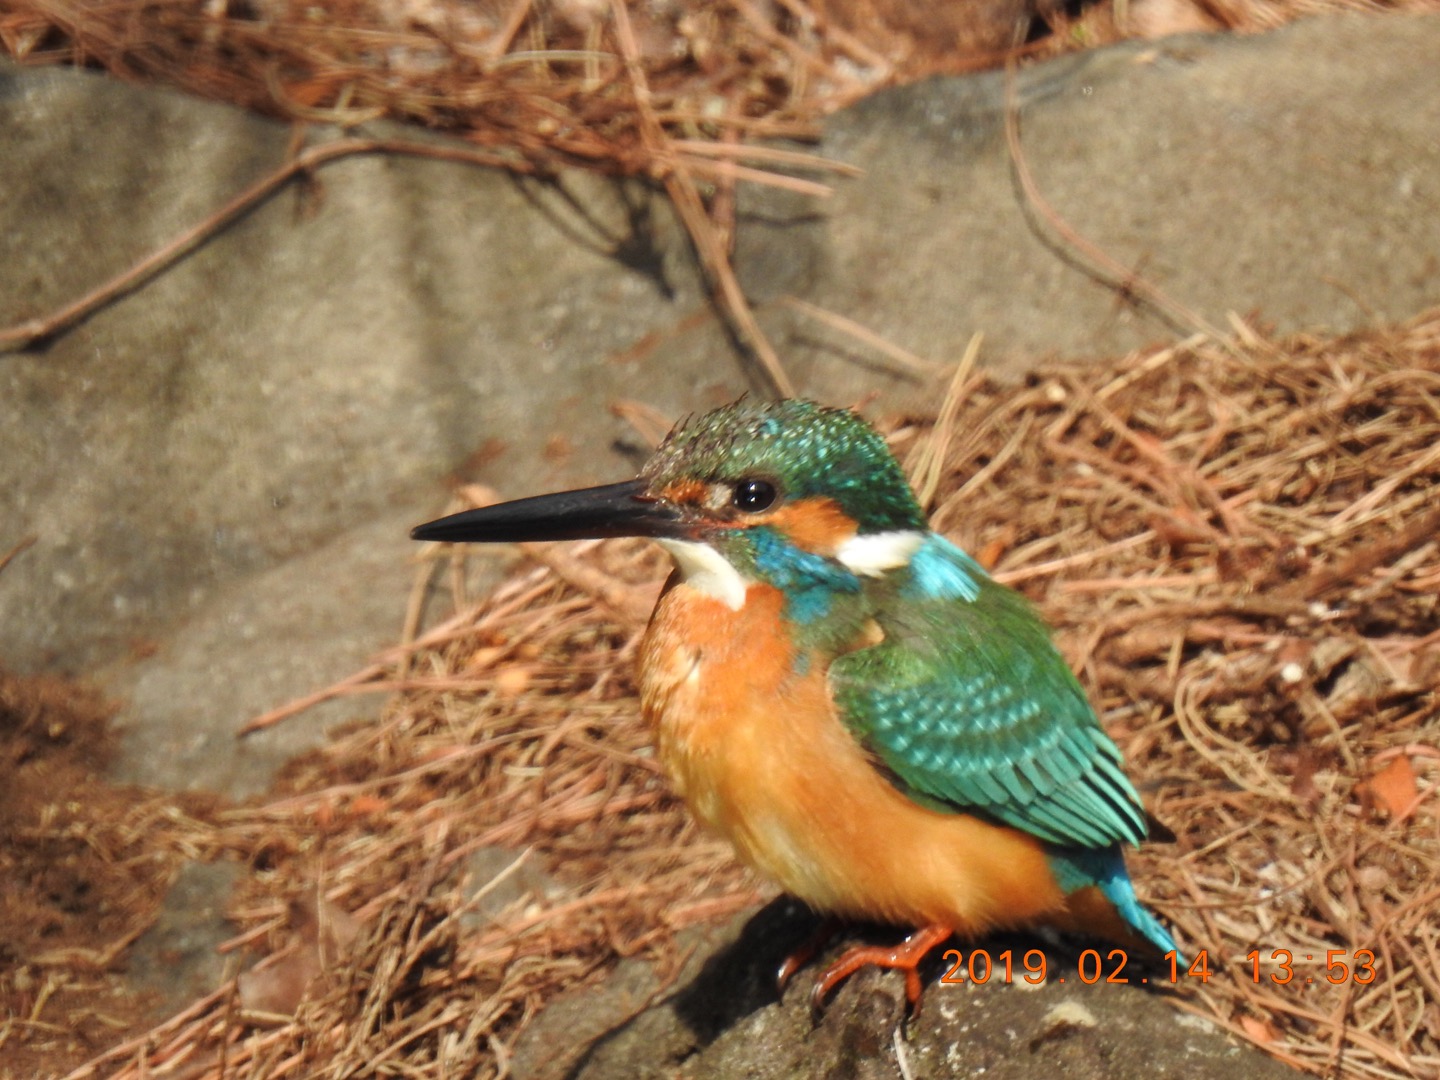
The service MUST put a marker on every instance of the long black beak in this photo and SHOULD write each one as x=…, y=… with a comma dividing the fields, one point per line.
x=587, y=514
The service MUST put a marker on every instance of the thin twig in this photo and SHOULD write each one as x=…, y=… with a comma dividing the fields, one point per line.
x=22, y=335
x=1105, y=268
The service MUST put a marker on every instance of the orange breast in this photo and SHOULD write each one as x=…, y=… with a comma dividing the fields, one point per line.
x=749, y=735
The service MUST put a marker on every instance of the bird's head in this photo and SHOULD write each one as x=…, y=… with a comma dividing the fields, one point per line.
x=791, y=493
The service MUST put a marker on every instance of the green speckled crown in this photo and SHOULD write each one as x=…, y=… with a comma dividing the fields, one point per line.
x=804, y=449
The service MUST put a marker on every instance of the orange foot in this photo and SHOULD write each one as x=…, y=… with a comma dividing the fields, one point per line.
x=821, y=937
x=906, y=957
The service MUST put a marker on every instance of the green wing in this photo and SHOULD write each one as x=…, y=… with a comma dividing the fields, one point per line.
x=968, y=704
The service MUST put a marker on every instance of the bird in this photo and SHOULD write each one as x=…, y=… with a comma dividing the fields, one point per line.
x=874, y=723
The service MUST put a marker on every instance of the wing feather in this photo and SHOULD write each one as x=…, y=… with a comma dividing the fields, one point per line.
x=967, y=702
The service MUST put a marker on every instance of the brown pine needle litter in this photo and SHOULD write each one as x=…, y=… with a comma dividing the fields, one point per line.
x=1240, y=549
x=677, y=92
x=546, y=80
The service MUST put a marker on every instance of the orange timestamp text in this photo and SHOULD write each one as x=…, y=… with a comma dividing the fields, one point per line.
x=1341, y=965
x=979, y=966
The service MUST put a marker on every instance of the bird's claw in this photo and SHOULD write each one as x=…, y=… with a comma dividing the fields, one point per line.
x=905, y=957
x=809, y=948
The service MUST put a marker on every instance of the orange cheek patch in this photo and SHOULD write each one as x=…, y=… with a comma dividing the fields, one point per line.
x=817, y=525
x=686, y=491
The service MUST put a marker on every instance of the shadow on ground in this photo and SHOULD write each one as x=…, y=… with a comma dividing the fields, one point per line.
x=726, y=1019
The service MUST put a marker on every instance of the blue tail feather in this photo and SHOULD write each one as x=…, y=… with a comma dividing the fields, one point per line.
x=1077, y=868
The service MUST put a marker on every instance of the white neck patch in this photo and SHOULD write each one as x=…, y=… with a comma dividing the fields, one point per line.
x=875, y=553
x=703, y=568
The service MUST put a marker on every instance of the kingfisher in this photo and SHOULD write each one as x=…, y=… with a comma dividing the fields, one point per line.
x=873, y=722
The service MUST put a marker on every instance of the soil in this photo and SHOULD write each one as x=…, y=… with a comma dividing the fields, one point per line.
x=83, y=877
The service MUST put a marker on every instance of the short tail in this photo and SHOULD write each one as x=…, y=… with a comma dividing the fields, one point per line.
x=1077, y=868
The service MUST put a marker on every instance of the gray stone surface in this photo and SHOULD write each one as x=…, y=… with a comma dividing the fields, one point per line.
x=1295, y=175
x=219, y=468
x=721, y=1019
x=176, y=958
x=259, y=641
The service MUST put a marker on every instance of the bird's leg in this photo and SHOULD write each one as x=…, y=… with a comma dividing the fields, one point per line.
x=906, y=957
x=818, y=939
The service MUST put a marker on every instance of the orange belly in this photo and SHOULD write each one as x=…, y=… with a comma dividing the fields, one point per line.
x=757, y=752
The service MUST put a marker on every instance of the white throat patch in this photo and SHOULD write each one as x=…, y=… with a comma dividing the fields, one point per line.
x=703, y=568
x=873, y=554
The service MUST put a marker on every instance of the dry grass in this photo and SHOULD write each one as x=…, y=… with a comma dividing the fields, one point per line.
x=545, y=81
x=1242, y=556
x=548, y=81
x=677, y=92
x=1242, y=553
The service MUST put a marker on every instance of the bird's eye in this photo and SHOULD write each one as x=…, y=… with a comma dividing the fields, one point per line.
x=752, y=496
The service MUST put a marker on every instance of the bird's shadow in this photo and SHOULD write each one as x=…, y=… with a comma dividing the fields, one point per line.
x=739, y=977
x=736, y=979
